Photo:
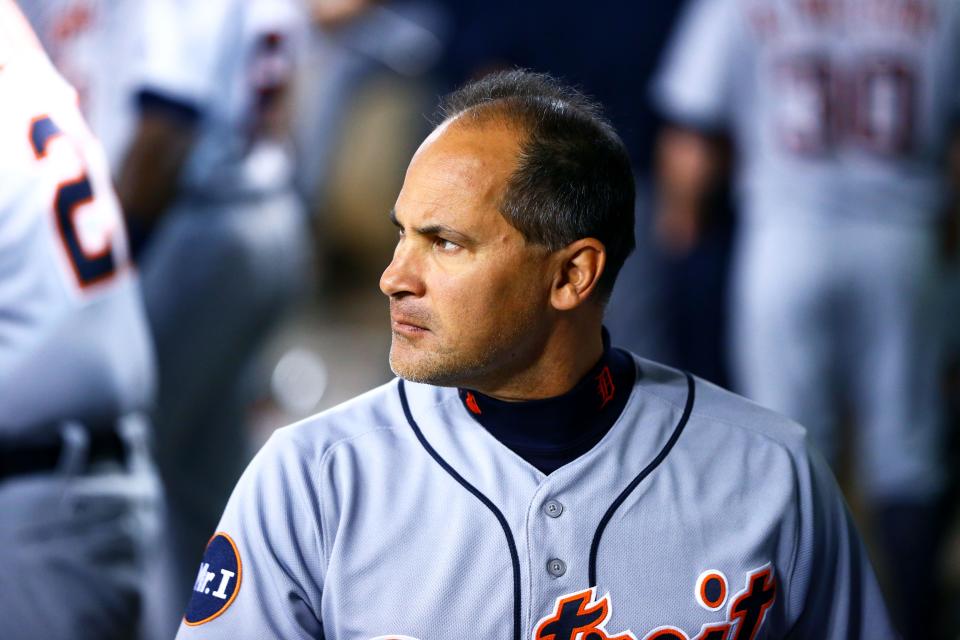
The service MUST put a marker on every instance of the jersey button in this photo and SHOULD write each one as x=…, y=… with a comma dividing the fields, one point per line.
x=556, y=567
x=553, y=508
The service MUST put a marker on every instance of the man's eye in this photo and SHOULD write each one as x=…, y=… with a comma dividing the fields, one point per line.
x=445, y=245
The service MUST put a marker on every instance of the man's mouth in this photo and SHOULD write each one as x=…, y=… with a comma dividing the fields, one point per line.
x=408, y=324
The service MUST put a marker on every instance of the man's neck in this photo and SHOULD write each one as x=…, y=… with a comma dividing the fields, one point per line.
x=568, y=353
x=552, y=432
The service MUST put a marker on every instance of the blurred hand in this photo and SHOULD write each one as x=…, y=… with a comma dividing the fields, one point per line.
x=678, y=230
x=687, y=167
x=331, y=14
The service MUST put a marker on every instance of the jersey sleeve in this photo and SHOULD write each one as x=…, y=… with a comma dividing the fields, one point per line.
x=832, y=590
x=262, y=572
x=181, y=49
x=695, y=83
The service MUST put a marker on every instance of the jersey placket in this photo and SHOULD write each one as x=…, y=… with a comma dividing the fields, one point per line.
x=567, y=518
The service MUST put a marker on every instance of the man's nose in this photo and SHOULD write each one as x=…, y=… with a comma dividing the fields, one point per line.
x=402, y=274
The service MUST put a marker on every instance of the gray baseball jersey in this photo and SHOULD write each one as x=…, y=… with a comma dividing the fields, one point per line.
x=839, y=109
x=221, y=57
x=396, y=516
x=840, y=112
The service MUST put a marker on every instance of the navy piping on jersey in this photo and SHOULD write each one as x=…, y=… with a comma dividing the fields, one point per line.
x=684, y=417
x=511, y=544
x=514, y=556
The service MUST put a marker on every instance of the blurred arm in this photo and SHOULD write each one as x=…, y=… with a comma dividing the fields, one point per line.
x=688, y=166
x=148, y=178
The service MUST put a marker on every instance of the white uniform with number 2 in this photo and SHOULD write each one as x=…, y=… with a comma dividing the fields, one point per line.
x=75, y=356
x=230, y=255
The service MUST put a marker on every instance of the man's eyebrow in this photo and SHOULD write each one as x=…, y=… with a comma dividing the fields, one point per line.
x=435, y=229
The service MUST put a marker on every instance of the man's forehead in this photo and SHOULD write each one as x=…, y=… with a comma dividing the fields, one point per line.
x=466, y=145
x=460, y=164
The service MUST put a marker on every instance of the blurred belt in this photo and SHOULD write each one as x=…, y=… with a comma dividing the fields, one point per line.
x=103, y=444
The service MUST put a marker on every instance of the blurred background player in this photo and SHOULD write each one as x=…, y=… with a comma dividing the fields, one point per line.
x=206, y=183
x=80, y=501
x=209, y=168
x=840, y=114
x=362, y=48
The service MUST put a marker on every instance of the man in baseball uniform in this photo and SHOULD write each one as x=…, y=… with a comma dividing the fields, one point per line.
x=208, y=181
x=192, y=97
x=841, y=114
x=79, y=498
x=521, y=478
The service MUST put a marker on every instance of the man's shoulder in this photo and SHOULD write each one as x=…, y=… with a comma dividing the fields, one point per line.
x=373, y=423
x=720, y=406
x=365, y=436
x=733, y=453
x=716, y=411
x=369, y=415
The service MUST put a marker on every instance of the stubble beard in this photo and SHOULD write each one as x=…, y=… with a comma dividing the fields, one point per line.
x=450, y=366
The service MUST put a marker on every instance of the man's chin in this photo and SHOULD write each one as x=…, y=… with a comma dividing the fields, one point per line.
x=424, y=370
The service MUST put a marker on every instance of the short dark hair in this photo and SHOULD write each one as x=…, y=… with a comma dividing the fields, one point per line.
x=574, y=179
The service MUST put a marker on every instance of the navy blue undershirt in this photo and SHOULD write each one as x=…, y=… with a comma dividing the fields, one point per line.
x=552, y=432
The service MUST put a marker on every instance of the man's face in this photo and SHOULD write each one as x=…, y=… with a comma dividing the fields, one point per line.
x=469, y=297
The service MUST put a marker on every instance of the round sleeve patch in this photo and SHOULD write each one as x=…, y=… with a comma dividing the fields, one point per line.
x=217, y=583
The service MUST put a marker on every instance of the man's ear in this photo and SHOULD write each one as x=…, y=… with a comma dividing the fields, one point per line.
x=579, y=266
